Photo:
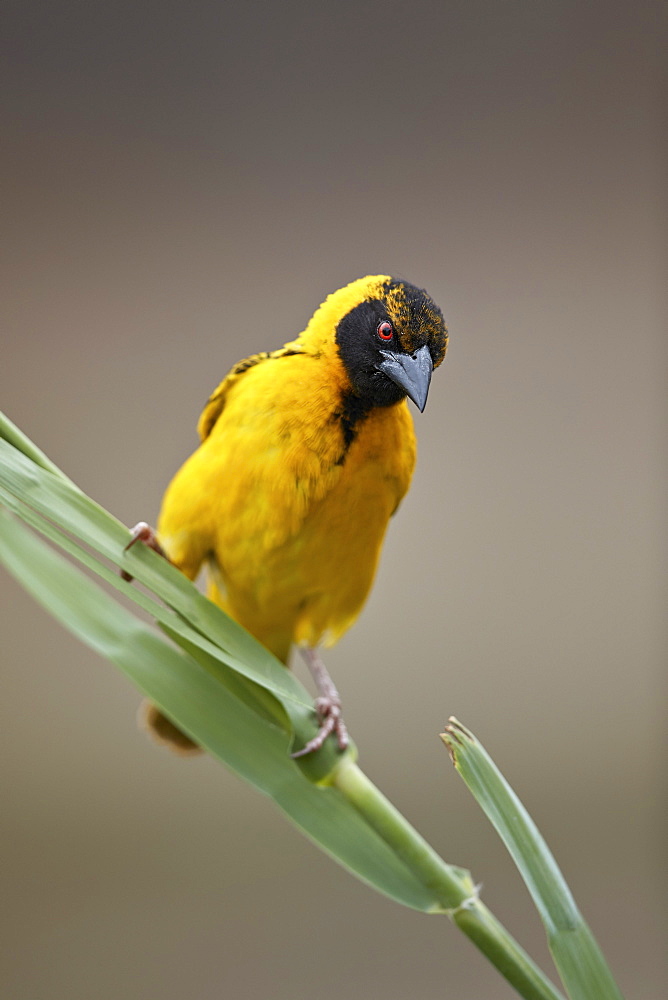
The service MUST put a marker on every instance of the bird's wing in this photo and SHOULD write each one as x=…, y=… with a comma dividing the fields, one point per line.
x=276, y=448
x=216, y=401
x=270, y=450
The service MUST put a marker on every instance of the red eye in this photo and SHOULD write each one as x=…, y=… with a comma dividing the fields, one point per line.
x=385, y=331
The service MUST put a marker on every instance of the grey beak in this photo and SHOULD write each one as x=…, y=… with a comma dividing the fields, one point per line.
x=410, y=371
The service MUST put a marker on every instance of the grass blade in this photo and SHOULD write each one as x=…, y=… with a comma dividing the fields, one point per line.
x=58, y=502
x=351, y=828
x=229, y=694
x=254, y=747
x=576, y=954
x=11, y=433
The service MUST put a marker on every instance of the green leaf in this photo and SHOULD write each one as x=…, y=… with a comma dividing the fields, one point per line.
x=11, y=433
x=254, y=747
x=52, y=504
x=229, y=694
x=577, y=956
x=30, y=491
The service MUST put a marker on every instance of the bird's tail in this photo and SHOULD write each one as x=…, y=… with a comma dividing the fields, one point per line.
x=163, y=730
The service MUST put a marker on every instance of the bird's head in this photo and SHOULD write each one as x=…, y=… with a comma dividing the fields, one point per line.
x=387, y=334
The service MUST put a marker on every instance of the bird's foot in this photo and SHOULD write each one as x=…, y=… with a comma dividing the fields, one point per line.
x=328, y=710
x=143, y=532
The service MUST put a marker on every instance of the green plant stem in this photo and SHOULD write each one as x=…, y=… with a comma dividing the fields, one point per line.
x=347, y=816
x=452, y=885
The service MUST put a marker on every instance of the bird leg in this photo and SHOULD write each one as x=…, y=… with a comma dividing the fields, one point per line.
x=327, y=706
x=143, y=532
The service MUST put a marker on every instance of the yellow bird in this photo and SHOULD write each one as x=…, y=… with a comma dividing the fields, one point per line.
x=306, y=453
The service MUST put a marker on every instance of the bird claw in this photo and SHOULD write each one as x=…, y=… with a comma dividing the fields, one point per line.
x=143, y=532
x=330, y=718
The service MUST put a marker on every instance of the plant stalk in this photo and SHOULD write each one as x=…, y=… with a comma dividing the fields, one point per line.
x=452, y=885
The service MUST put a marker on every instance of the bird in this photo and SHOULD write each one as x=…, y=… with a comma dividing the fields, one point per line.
x=306, y=452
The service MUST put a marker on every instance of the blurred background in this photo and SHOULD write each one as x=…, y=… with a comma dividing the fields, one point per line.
x=184, y=183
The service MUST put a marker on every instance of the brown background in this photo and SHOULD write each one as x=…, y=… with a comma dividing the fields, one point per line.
x=183, y=184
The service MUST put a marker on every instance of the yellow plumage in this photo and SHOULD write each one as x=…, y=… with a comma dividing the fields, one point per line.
x=288, y=497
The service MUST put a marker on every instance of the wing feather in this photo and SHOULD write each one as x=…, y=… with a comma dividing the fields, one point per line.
x=216, y=401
